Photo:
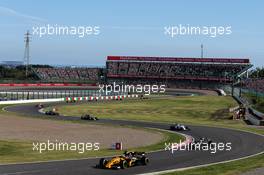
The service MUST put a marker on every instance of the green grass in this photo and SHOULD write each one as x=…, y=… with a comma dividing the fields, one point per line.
x=198, y=110
x=14, y=151
x=195, y=109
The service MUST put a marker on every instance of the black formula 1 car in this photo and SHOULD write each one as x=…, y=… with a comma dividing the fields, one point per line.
x=39, y=106
x=201, y=142
x=51, y=113
x=88, y=117
x=179, y=127
x=129, y=159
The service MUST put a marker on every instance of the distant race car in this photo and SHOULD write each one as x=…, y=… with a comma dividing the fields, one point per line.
x=128, y=159
x=88, y=117
x=202, y=141
x=51, y=113
x=40, y=106
x=205, y=141
x=179, y=127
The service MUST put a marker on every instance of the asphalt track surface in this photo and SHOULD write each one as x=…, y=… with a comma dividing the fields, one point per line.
x=243, y=144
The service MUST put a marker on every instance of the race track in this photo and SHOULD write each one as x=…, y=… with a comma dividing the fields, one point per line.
x=243, y=144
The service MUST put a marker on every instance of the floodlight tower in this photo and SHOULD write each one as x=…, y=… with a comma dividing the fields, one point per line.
x=201, y=50
x=26, y=53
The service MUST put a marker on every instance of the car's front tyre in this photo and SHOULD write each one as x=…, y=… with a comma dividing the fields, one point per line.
x=102, y=162
x=144, y=160
x=124, y=164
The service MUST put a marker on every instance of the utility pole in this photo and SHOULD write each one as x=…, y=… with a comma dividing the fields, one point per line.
x=26, y=53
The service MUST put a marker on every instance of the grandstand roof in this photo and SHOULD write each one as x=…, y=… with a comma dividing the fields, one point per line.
x=179, y=59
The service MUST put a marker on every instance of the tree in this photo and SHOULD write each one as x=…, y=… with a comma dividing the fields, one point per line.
x=257, y=73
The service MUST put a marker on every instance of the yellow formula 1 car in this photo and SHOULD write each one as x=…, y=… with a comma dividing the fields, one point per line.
x=129, y=159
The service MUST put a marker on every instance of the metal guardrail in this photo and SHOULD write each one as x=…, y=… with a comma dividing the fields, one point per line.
x=255, y=117
x=257, y=113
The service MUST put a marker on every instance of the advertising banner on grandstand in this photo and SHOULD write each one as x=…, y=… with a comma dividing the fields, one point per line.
x=44, y=84
x=178, y=59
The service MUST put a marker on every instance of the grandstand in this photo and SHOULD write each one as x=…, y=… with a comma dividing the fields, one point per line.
x=181, y=71
x=67, y=74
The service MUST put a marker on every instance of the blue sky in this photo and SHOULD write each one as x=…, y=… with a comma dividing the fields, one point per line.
x=131, y=28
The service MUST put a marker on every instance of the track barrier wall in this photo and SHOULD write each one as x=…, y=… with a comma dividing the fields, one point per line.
x=71, y=99
x=255, y=117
